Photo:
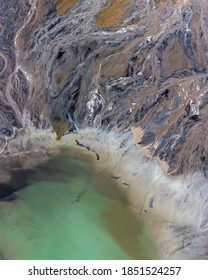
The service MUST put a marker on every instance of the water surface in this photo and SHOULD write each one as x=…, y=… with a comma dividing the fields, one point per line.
x=70, y=211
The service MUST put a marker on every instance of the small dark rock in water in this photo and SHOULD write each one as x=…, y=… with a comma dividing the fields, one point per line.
x=88, y=148
x=125, y=184
x=115, y=177
x=151, y=203
x=97, y=156
x=82, y=145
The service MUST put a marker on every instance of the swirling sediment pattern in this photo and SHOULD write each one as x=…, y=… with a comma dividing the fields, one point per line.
x=136, y=69
x=112, y=65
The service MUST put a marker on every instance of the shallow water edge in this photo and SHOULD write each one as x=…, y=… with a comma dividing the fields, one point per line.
x=70, y=211
x=174, y=208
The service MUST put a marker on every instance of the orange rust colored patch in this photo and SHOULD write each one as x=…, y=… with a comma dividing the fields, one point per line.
x=60, y=126
x=59, y=77
x=136, y=20
x=160, y=3
x=138, y=133
x=113, y=15
x=62, y=6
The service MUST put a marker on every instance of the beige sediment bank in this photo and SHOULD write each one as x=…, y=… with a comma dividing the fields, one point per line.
x=175, y=208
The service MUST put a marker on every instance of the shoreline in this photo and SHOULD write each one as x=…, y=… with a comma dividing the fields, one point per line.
x=173, y=207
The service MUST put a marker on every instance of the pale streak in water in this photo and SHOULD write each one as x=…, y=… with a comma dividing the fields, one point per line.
x=66, y=66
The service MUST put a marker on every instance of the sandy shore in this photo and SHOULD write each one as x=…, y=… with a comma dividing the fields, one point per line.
x=175, y=208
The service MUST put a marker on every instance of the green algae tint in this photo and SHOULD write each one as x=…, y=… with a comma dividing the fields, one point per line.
x=67, y=213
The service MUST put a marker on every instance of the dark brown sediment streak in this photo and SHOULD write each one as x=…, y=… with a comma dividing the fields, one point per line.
x=118, y=228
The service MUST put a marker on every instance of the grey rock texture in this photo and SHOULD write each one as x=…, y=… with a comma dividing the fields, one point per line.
x=112, y=65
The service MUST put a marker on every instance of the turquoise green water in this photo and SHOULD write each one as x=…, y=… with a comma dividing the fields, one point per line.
x=69, y=211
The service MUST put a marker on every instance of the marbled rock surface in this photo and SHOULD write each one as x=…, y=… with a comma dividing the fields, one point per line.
x=134, y=68
x=112, y=65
